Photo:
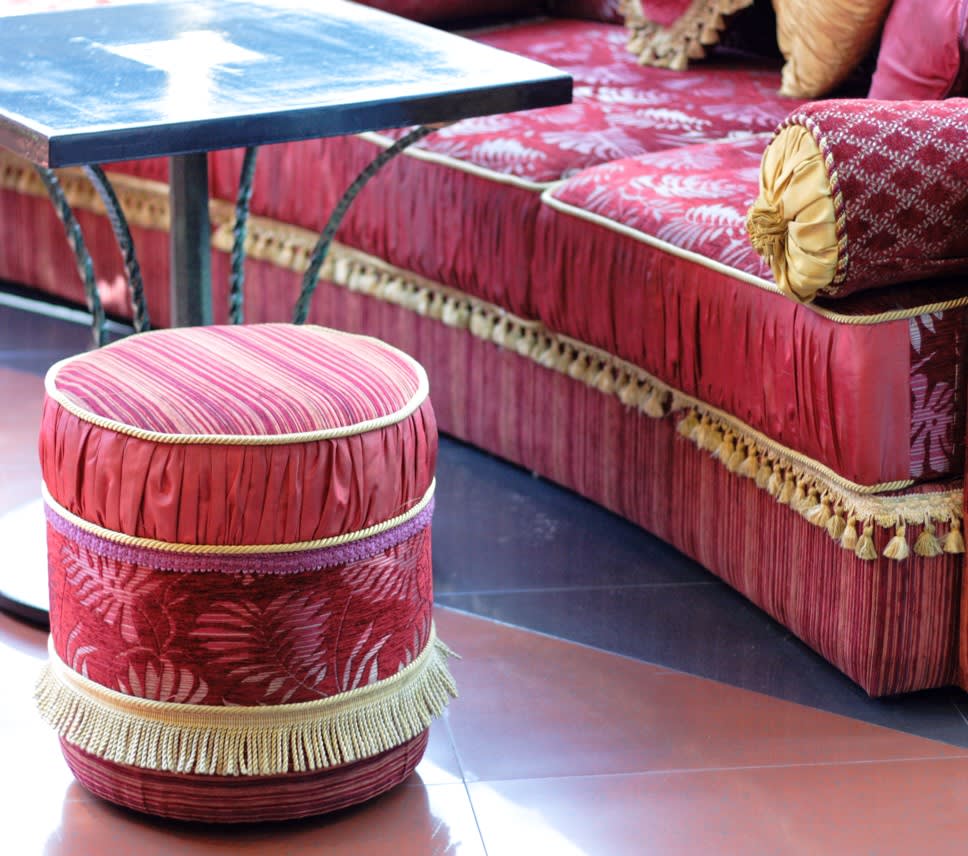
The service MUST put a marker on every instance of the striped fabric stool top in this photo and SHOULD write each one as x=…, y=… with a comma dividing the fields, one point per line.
x=240, y=570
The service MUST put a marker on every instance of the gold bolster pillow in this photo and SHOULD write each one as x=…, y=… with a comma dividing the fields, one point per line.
x=792, y=224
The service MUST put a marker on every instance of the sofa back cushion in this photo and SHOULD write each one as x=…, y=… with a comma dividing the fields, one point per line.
x=824, y=40
x=608, y=11
x=924, y=51
x=436, y=11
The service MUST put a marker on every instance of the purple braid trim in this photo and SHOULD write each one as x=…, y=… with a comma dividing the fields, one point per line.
x=254, y=563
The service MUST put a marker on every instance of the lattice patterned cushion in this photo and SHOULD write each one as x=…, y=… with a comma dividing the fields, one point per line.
x=861, y=193
x=239, y=542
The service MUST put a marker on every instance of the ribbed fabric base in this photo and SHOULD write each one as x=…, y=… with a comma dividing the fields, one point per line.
x=245, y=799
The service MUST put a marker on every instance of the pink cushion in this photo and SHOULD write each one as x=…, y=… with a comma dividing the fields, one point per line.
x=923, y=51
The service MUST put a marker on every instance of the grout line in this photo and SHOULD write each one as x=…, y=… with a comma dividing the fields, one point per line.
x=445, y=719
x=577, y=589
x=741, y=768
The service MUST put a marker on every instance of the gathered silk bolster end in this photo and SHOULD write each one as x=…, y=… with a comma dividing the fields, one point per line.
x=793, y=223
x=858, y=194
x=247, y=741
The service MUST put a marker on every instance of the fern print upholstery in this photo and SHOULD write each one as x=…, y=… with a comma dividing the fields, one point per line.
x=240, y=568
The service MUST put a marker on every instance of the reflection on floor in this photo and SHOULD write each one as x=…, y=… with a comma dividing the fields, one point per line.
x=553, y=748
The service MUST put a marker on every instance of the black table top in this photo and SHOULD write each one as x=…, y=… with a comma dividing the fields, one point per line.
x=123, y=82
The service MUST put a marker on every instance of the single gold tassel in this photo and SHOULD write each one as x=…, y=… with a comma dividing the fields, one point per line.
x=748, y=468
x=444, y=310
x=578, y=367
x=713, y=437
x=836, y=526
x=698, y=435
x=550, y=355
x=727, y=448
x=928, y=544
x=499, y=332
x=605, y=381
x=799, y=495
x=564, y=360
x=687, y=424
x=422, y=302
x=525, y=344
x=954, y=542
x=819, y=514
x=849, y=539
x=865, y=548
x=763, y=474
x=654, y=406
x=897, y=547
x=591, y=374
x=629, y=392
x=787, y=491
x=810, y=501
x=735, y=460
x=775, y=484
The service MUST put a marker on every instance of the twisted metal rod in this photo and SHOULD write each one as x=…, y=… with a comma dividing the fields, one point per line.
x=122, y=233
x=310, y=278
x=76, y=239
x=239, y=229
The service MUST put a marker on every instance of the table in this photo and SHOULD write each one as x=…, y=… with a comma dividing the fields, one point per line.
x=185, y=77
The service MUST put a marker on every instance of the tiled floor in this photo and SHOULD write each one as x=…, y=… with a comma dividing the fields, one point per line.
x=553, y=748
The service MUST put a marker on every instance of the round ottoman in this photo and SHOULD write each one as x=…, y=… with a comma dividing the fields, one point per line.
x=240, y=570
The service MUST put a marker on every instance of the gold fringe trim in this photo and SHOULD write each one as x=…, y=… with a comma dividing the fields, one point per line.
x=685, y=39
x=246, y=741
x=793, y=479
x=236, y=549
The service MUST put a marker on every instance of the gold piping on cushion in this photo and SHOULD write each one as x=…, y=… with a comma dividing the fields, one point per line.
x=686, y=38
x=793, y=223
x=246, y=741
x=289, y=247
x=236, y=549
x=375, y=424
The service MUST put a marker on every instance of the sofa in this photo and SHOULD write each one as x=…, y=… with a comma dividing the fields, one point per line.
x=581, y=285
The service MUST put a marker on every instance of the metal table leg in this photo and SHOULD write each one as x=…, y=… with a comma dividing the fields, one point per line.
x=191, y=274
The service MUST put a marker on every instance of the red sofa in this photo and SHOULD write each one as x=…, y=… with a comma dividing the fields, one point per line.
x=581, y=287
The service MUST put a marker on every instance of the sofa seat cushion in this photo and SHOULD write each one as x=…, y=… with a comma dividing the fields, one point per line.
x=461, y=208
x=648, y=259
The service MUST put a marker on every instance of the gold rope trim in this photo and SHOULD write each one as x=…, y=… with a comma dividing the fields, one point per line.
x=85, y=415
x=236, y=549
x=246, y=741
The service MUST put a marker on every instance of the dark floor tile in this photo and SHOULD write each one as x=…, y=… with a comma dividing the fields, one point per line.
x=498, y=528
x=706, y=630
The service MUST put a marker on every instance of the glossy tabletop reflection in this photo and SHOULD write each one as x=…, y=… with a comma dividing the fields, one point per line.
x=141, y=80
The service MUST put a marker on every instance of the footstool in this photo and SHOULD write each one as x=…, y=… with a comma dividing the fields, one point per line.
x=240, y=570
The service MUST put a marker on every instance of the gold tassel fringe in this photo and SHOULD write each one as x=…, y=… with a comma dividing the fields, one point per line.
x=246, y=741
